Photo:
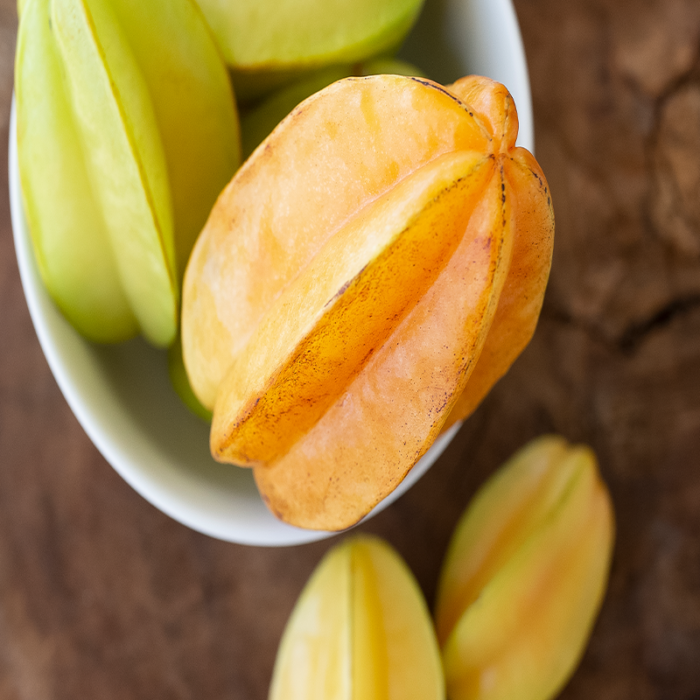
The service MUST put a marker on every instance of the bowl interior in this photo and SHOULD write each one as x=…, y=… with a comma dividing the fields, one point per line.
x=122, y=394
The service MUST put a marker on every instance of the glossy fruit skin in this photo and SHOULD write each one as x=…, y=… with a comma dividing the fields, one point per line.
x=325, y=357
x=525, y=575
x=238, y=268
x=69, y=235
x=267, y=47
x=359, y=631
x=108, y=155
x=194, y=107
x=521, y=299
x=124, y=157
x=258, y=122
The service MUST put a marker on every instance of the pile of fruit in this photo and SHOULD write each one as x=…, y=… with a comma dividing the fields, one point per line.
x=363, y=279
x=333, y=348
x=520, y=588
x=126, y=135
x=332, y=305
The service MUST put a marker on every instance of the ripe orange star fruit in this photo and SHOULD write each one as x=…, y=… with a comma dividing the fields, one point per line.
x=370, y=272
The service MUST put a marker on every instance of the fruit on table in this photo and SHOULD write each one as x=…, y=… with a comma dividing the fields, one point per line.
x=258, y=122
x=270, y=43
x=359, y=631
x=120, y=104
x=339, y=298
x=525, y=575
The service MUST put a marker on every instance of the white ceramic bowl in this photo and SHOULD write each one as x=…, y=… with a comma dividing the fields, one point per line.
x=122, y=395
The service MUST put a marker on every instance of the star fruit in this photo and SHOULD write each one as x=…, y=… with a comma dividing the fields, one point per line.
x=525, y=574
x=270, y=43
x=359, y=631
x=366, y=277
x=127, y=131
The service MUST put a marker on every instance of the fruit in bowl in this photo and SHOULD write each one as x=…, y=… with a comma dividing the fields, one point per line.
x=267, y=44
x=122, y=395
x=125, y=138
x=372, y=270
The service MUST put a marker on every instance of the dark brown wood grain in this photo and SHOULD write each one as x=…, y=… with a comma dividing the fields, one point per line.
x=104, y=597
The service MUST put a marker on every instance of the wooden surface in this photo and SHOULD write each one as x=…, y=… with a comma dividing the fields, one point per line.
x=102, y=596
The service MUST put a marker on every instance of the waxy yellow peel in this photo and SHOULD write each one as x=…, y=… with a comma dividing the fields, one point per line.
x=359, y=631
x=268, y=44
x=127, y=131
x=525, y=575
